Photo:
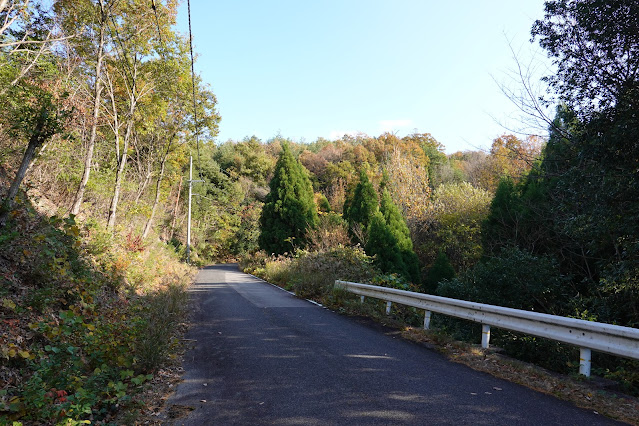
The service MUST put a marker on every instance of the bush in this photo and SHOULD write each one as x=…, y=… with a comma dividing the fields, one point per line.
x=331, y=232
x=441, y=270
x=515, y=279
x=313, y=274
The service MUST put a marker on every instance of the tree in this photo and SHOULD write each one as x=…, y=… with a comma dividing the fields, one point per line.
x=513, y=157
x=595, y=46
x=31, y=93
x=38, y=119
x=90, y=45
x=399, y=229
x=360, y=208
x=289, y=211
x=433, y=149
x=579, y=205
x=453, y=225
x=408, y=184
x=383, y=245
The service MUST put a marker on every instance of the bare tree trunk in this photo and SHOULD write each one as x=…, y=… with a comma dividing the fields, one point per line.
x=79, y=196
x=158, y=184
x=37, y=139
x=144, y=184
x=175, y=210
x=148, y=165
x=120, y=171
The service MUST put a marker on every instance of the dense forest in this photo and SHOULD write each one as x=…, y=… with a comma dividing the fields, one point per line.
x=100, y=115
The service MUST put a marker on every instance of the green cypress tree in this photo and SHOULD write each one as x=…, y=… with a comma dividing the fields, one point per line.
x=398, y=227
x=289, y=210
x=389, y=241
x=395, y=221
x=384, y=246
x=362, y=206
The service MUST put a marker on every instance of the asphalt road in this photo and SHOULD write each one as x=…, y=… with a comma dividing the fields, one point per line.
x=262, y=356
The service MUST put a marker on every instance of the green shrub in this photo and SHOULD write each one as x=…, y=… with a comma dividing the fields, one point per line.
x=441, y=270
x=515, y=279
x=313, y=274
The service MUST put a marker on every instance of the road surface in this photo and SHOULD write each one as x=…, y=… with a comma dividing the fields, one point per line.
x=262, y=356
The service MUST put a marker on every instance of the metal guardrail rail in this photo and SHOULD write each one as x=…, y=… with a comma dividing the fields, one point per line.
x=587, y=335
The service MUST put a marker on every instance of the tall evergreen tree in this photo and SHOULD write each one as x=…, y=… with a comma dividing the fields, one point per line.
x=359, y=209
x=289, y=210
x=398, y=227
x=384, y=246
x=389, y=241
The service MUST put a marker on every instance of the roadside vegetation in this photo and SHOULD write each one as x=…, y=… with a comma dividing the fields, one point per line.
x=87, y=318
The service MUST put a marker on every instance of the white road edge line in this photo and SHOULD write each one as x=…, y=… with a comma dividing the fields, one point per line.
x=289, y=292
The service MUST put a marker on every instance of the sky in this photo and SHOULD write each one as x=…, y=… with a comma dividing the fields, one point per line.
x=324, y=68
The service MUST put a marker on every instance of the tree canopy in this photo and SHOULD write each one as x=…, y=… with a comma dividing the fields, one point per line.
x=289, y=211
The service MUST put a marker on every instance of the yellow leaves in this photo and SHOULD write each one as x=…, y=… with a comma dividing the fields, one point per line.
x=12, y=350
x=74, y=230
x=9, y=304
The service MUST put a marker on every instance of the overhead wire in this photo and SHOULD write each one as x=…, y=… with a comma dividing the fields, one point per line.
x=128, y=73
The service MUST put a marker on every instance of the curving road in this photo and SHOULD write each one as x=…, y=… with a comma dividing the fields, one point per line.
x=262, y=356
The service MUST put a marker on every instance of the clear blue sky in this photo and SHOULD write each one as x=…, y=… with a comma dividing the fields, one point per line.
x=309, y=69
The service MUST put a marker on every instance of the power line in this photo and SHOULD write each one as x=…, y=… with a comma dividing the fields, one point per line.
x=128, y=73
x=197, y=140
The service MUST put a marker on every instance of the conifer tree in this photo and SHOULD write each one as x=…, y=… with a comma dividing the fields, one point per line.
x=384, y=246
x=395, y=221
x=398, y=227
x=289, y=210
x=389, y=240
x=359, y=209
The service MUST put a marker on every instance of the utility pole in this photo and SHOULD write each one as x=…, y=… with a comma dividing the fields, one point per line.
x=188, y=225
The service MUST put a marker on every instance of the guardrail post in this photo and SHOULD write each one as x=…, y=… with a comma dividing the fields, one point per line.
x=427, y=320
x=388, y=306
x=584, y=361
x=361, y=299
x=485, y=335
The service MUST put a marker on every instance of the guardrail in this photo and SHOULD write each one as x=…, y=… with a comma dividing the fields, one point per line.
x=587, y=335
